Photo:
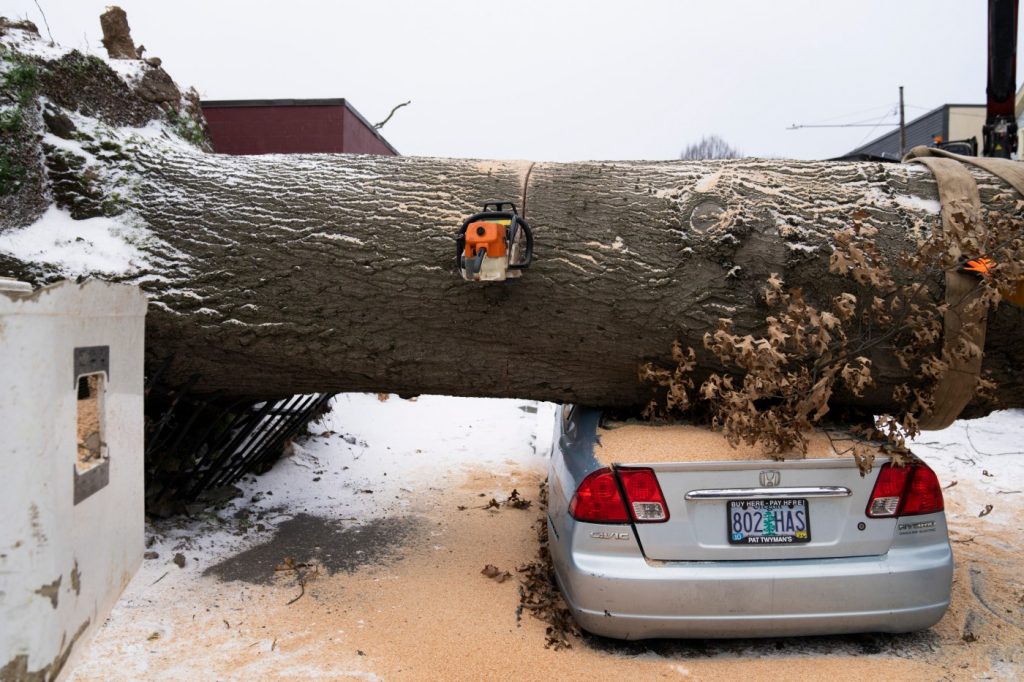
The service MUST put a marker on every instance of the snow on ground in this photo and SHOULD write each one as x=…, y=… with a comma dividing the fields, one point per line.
x=983, y=462
x=25, y=42
x=388, y=497
x=370, y=458
x=367, y=460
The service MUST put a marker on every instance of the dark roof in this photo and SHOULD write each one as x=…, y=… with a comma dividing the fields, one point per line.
x=919, y=131
x=335, y=102
x=857, y=156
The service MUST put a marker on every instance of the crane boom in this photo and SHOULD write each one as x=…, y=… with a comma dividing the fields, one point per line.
x=1000, y=130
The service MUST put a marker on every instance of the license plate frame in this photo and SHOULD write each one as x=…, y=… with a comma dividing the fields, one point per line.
x=749, y=529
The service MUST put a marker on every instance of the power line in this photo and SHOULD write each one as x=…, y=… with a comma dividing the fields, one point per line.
x=890, y=110
x=864, y=139
x=842, y=125
x=830, y=119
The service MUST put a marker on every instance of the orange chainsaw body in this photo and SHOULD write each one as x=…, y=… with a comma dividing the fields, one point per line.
x=486, y=235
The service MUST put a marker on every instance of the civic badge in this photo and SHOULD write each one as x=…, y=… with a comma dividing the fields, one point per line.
x=770, y=478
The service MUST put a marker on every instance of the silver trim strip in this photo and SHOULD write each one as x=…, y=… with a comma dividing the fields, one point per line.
x=767, y=493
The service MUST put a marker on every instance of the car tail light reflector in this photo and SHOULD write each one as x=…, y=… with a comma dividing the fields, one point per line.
x=646, y=502
x=924, y=494
x=905, y=491
x=599, y=500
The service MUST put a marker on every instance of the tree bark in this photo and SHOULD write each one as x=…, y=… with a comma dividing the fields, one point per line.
x=274, y=275
x=335, y=273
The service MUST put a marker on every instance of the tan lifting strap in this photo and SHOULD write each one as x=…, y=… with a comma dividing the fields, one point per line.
x=958, y=193
x=1010, y=172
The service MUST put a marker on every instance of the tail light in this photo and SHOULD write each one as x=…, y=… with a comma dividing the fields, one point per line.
x=905, y=491
x=599, y=499
x=646, y=502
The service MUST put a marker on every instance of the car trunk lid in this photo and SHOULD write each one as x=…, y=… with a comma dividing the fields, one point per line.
x=719, y=498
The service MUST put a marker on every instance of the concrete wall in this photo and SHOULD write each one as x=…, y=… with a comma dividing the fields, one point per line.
x=71, y=537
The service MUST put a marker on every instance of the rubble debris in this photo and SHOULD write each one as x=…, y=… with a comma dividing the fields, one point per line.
x=514, y=500
x=151, y=555
x=496, y=574
x=986, y=511
x=539, y=593
x=179, y=560
x=157, y=86
x=517, y=501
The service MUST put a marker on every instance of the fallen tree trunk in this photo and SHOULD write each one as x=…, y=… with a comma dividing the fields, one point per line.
x=332, y=273
x=276, y=275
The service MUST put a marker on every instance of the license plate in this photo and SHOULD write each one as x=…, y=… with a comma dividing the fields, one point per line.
x=768, y=522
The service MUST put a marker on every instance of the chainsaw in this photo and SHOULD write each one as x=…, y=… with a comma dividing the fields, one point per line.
x=494, y=245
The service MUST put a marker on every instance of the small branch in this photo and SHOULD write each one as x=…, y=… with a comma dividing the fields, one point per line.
x=378, y=126
x=967, y=431
x=302, y=591
x=45, y=23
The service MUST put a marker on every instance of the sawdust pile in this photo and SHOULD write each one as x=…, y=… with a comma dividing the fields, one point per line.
x=985, y=622
x=649, y=443
x=429, y=614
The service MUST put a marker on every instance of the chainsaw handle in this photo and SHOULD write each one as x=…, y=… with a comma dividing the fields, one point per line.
x=518, y=222
x=498, y=206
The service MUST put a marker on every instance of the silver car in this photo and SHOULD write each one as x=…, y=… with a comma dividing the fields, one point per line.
x=707, y=545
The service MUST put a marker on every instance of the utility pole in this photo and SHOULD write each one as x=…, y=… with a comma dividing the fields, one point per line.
x=903, y=127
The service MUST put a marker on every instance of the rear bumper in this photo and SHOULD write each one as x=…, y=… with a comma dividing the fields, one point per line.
x=627, y=597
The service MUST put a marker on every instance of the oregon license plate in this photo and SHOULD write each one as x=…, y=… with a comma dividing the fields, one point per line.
x=768, y=522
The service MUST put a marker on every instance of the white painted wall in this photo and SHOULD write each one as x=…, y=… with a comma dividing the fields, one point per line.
x=965, y=123
x=93, y=548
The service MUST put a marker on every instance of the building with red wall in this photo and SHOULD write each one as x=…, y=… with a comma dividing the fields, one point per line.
x=291, y=126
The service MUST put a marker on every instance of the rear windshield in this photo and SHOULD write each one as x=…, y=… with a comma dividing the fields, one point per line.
x=631, y=443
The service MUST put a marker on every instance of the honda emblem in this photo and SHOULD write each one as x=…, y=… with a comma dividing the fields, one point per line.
x=770, y=478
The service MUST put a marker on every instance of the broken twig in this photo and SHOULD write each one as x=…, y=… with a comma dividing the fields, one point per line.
x=302, y=591
x=378, y=126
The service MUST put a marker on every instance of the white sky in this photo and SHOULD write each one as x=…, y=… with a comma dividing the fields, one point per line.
x=560, y=80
